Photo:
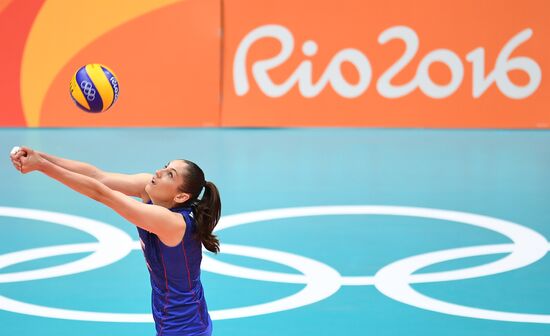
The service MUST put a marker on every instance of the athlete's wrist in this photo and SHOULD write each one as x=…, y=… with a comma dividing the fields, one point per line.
x=42, y=164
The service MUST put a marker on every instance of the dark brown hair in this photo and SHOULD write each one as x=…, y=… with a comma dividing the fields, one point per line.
x=207, y=209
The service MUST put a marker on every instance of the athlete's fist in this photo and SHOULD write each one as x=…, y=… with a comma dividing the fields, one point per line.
x=27, y=160
x=15, y=155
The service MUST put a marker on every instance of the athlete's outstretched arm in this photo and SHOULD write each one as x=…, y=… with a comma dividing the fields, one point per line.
x=152, y=218
x=129, y=184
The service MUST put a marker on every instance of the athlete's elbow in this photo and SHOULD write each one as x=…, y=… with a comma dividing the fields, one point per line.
x=97, y=196
x=101, y=194
x=96, y=173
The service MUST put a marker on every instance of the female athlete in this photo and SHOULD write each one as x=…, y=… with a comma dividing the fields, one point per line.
x=173, y=221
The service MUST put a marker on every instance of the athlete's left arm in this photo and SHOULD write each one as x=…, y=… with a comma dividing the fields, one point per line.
x=153, y=218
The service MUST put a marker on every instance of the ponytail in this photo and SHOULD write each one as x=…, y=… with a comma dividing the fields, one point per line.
x=207, y=214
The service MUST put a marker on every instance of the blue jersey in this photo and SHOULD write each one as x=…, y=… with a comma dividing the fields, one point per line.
x=179, y=306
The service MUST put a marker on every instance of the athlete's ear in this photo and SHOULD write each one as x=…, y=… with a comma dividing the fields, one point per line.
x=182, y=197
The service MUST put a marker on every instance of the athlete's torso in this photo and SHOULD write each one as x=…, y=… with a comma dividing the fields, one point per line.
x=179, y=306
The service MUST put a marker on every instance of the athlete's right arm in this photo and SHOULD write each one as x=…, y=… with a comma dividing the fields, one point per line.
x=129, y=184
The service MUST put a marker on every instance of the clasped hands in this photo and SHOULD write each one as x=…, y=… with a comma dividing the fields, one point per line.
x=25, y=159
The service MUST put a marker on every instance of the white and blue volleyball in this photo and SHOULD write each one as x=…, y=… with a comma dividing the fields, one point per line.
x=94, y=88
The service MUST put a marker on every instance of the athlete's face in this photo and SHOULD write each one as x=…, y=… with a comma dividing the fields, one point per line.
x=163, y=189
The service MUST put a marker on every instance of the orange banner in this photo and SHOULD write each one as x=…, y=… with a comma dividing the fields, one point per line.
x=386, y=63
x=376, y=63
x=165, y=53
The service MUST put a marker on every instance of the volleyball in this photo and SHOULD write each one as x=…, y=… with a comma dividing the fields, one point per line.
x=94, y=88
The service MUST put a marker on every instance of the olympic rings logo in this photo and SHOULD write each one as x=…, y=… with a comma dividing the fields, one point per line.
x=88, y=90
x=321, y=280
